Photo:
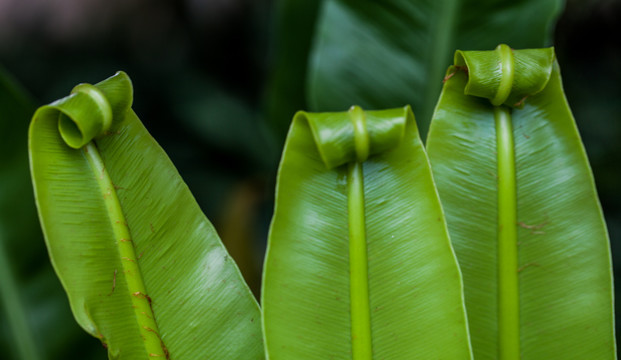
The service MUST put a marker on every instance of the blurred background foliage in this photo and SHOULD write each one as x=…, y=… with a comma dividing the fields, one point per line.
x=216, y=83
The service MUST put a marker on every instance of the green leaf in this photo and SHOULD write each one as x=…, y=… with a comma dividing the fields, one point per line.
x=33, y=302
x=359, y=263
x=388, y=53
x=522, y=210
x=143, y=268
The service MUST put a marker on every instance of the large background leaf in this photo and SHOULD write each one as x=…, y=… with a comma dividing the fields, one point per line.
x=414, y=287
x=295, y=23
x=563, y=257
x=199, y=301
x=382, y=54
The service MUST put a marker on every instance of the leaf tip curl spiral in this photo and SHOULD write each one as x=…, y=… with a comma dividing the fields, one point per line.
x=504, y=75
x=355, y=135
x=89, y=111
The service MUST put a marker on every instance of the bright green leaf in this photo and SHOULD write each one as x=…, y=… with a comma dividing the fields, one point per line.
x=388, y=53
x=327, y=297
x=522, y=210
x=143, y=268
x=33, y=302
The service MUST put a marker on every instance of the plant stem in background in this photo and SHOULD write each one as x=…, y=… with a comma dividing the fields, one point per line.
x=508, y=287
x=14, y=311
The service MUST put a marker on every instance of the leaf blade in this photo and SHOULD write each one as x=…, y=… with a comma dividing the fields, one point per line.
x=307, y=270
x=184, y=266
x=554, y=184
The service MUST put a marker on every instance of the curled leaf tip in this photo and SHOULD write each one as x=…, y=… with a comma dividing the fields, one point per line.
x=355, y=135
x=361, y=135
x=89, y=111
x=119, y=91
x=504, y=75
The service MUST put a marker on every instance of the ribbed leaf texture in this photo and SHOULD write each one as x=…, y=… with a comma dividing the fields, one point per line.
x=143, y=268
x=359, y=264
x=522, y=210
x=32, y=299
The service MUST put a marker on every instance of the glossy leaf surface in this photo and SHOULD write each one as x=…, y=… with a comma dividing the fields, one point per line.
x=143, y=268
x=327, y=297
x=522, y=209
x=388, y=53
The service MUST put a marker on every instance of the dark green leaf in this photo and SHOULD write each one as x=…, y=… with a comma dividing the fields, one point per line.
x=388, y=53
x=295, y=24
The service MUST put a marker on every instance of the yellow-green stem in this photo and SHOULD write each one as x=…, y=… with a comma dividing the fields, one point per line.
x=130, y=270
x=508, y=287
x=506, y=79
x=358, y=266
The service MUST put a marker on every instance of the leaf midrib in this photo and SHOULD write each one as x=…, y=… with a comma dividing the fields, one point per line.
x=508, y=287
x=141, y=302
x=358, y=266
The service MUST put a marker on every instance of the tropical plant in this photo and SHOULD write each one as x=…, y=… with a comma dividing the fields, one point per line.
x=32, y=304
x=118, y=220
x=359, y=262
x=522, y=209
x=399, y=51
